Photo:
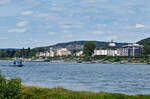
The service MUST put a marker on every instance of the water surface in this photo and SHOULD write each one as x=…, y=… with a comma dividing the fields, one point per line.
x=115, y=78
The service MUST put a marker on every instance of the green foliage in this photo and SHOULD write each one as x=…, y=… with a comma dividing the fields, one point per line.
x=144, y=41
x=89, y=48
x=116, y=59
x=3, y=54
x=146, y=44
x=87, y=58
x=60, y=93
x=17, y=54
x=146, y=50
x=25, y=53
x=10, y=89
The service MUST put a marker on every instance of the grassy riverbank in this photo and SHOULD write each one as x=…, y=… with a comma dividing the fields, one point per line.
x=60, y=93
x=6, y=58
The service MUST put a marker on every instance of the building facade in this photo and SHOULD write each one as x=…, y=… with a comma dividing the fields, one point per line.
x=111, y=50
x=54, y=52
x=131, y=50
x=127, y=50
x=63, y=52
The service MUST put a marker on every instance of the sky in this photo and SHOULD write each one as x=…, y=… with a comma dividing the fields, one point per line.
x=35, y=23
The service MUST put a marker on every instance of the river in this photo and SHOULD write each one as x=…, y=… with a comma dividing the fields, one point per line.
x=115, y=78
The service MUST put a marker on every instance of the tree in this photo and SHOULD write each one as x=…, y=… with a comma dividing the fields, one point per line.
x=146, y=50
x=10, y=89
x=3, y=54
x=89, y=48
x=17, y=54
x=22, y=52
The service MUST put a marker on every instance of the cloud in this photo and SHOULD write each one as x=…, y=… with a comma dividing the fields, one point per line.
x=47, y=16
x=27, y=13
x=17, y=30
x=98, y=32
x=43, y=15
x=2, y=2
x=21, y=24
x=139, y=26
x=67, y=26
x=51, y=33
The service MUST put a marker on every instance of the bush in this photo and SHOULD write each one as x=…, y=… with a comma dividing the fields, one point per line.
x=10, y=89
x=116, y=59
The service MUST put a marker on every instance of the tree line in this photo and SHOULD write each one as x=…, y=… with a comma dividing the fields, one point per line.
x=25, y=53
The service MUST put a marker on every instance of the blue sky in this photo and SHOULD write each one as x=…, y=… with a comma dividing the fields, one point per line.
x=36, y=23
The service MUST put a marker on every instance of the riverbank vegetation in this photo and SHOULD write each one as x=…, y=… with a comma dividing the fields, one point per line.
x=24, y=53
x=12, y=89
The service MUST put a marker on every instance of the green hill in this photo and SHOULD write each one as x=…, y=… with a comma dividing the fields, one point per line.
x=77, y=45
x=144, y=41
x=146, y=48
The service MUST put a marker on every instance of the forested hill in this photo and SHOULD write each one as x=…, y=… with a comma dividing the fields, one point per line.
x=78, y=45
x=144, y=41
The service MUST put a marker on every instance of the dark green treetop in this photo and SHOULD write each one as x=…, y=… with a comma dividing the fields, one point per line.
x=89, y=48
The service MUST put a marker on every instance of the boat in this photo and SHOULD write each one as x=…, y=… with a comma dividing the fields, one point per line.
x=16, y=62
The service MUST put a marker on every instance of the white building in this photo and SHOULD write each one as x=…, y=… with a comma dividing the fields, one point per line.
x=106, y=52
x=109, y=51
x=127, y=50
x=54, y=52
x=100, y=52
x=112, y=52
x=80, y=53
x=40, y=54
x=63, y=52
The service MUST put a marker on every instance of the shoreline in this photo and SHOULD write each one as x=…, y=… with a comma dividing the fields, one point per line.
x=86, y=62
x=90, y=62
x=61, y=93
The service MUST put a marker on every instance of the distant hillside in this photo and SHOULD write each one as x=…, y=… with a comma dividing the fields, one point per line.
x=144, y=41
x=77, y=45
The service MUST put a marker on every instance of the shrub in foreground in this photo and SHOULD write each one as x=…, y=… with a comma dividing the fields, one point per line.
x=10, y=89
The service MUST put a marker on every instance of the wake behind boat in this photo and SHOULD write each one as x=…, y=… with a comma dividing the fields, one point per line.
x=16, y=62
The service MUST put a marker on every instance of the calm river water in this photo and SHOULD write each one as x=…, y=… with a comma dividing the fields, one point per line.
x=115, y=78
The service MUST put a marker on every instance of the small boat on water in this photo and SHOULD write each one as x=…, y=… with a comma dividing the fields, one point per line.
x=16, y=62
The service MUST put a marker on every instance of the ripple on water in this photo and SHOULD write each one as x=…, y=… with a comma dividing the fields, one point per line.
x=116, y=78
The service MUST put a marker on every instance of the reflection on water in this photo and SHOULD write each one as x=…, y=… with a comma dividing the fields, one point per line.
x=116, y=78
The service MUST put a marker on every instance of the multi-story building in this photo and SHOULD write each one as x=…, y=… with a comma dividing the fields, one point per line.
x=131, y=50
x=127, y=50
x=100, y=52
x=40, y=54
x=54, y=52
x=62, y=52
x=111, y=50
